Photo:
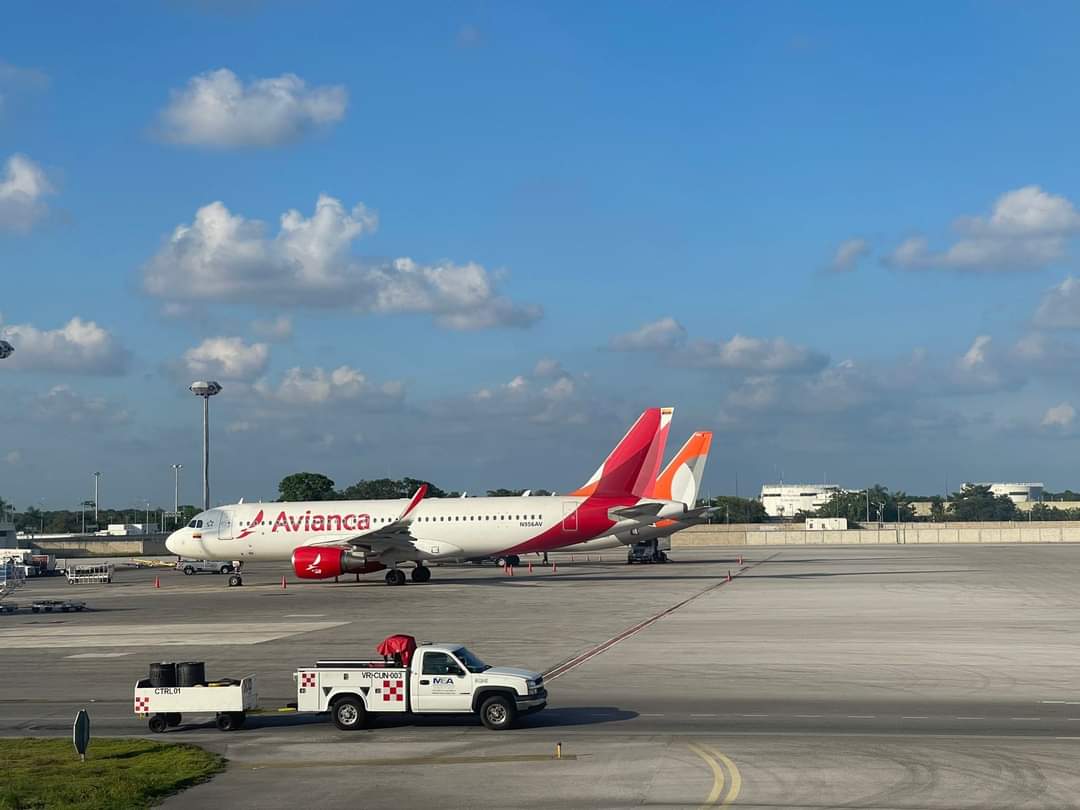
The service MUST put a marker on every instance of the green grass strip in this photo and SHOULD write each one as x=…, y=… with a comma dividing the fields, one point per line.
x=119, y=774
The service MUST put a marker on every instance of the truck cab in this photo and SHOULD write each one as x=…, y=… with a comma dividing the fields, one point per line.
x=435, y=679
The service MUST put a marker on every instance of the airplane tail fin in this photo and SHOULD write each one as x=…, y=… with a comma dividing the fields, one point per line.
x=681, y=479
x=631, y=468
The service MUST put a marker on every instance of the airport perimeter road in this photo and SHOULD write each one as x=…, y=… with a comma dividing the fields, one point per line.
x=940, y=676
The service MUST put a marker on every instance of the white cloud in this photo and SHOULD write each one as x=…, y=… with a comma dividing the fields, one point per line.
x=22, y=189
x=754, y=354
x=80, y=347
x=316, y=386
x=228, y=358
x=224, y=257
x=13, y=458
x=848, y=255
x=666, y=333
x=1060, y=306
x=62, y=404
x=1027, y=230
x=280, y=328
x=1059, y=416
x=217, y=109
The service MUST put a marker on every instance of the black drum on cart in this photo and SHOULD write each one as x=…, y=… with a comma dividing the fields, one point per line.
x=163, y=674
x=191, y=673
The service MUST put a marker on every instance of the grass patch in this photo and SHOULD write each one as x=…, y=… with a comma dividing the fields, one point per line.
x=118, y=773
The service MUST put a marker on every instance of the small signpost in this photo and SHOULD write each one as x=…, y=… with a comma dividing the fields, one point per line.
x=80, y=733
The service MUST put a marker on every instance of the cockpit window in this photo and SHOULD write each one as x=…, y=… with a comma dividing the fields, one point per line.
x=192, y=524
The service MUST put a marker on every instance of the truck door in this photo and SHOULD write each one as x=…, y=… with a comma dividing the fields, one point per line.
x=442, y=684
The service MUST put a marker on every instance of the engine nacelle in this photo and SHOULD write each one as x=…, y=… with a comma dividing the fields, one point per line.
x=324, y=562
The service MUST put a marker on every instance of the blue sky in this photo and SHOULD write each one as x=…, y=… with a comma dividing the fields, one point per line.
x=841, y=235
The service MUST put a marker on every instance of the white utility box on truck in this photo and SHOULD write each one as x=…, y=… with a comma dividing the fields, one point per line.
x=426, y=680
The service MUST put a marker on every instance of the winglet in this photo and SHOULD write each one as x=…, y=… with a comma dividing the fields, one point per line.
x=413, y=503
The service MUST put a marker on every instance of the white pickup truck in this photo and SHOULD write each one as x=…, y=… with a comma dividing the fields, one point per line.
x=438, y=679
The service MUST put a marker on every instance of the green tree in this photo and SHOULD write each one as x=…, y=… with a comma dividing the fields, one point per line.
x=937, y=509
x=730, y=509
x=306, y=486
x=976, y=502
x=504, y=493
x=381, y=489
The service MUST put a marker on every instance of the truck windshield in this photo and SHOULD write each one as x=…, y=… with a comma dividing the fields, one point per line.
x=470, y=661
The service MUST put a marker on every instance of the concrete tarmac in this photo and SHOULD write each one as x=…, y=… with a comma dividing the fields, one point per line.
x=940, y=676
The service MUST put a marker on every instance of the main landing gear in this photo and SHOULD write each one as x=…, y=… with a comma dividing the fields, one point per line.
x=421, y=573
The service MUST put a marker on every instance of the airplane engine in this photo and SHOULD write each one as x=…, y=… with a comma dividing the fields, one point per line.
x=324, y=562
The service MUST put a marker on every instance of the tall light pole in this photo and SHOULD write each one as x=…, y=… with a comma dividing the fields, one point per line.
x=176, y=492
x=97, y=480
x=205, y=389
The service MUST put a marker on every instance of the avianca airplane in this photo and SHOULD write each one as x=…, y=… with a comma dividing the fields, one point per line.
x=680, y=481
x=324, y=539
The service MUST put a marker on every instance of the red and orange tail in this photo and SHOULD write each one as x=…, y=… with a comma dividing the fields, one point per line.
x=681, y=479
x=630, y=469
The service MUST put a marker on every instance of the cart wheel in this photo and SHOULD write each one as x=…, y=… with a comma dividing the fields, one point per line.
x=158, y=723
x=172, y=719
x=229, y=721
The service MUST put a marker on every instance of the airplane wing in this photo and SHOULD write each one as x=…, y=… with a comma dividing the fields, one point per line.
x=389, y=535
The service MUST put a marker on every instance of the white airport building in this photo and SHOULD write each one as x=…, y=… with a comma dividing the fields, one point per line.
x=787, y=500
x=1017, y=492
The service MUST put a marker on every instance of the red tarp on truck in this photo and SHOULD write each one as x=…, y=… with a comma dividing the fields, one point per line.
x=403, y=646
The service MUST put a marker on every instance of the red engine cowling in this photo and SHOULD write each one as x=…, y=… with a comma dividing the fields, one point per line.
x=324, y=562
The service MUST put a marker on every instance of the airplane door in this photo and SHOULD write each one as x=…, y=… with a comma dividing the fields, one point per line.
x=225, y=528
x=569, y=521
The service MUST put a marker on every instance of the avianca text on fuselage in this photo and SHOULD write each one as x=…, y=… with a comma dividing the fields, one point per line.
x=308, y=523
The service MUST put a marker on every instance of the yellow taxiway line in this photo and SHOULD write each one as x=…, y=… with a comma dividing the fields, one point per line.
x=718, y=764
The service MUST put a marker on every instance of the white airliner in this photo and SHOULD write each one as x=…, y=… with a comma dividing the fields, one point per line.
x=325, y=539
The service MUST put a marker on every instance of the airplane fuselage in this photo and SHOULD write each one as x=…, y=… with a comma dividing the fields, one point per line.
x=440, y=528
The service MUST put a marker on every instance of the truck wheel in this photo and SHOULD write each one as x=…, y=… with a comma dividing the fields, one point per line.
x=349, y=713
x=421, y=574
x=172, y=719
x=235, y=581
x=497, y=713
x=225, y=569
x=188, y=571
x=158, y=723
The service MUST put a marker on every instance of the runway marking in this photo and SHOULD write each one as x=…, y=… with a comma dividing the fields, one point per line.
x=1025, y=718
x=566, y=666
x=753, y=715
x=807, y=715
x=703, y=715
x=304, y=615
x=970, y=718
x=914, y=717
x=98, y=655
x=646, y=714
x=153, y=635
x=717, y=763
x=861, y=716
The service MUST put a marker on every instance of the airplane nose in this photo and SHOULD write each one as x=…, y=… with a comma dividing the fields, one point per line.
x=173, y=544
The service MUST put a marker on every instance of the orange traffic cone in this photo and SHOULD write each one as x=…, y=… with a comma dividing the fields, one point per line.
x=157, y=582
x=554, y=567
x=283, y=585
x=530, y=568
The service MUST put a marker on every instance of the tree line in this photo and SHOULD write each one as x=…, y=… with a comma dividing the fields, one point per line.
x=308, y=486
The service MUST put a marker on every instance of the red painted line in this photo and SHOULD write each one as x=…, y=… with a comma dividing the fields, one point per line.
x=566, y=666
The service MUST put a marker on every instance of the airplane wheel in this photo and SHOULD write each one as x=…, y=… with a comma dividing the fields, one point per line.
x=395, y=577
x=513, y=560
x=421, y=574
x=235, y=580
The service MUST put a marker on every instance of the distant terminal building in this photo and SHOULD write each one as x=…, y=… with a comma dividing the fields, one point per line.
x=1016, y=492
x=787, y=500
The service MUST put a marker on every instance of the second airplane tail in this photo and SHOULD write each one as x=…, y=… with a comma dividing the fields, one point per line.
x=681, y=479
x=630, y=469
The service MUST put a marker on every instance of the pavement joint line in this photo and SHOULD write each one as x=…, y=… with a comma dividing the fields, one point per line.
x=807, y=715
x=566, y=666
